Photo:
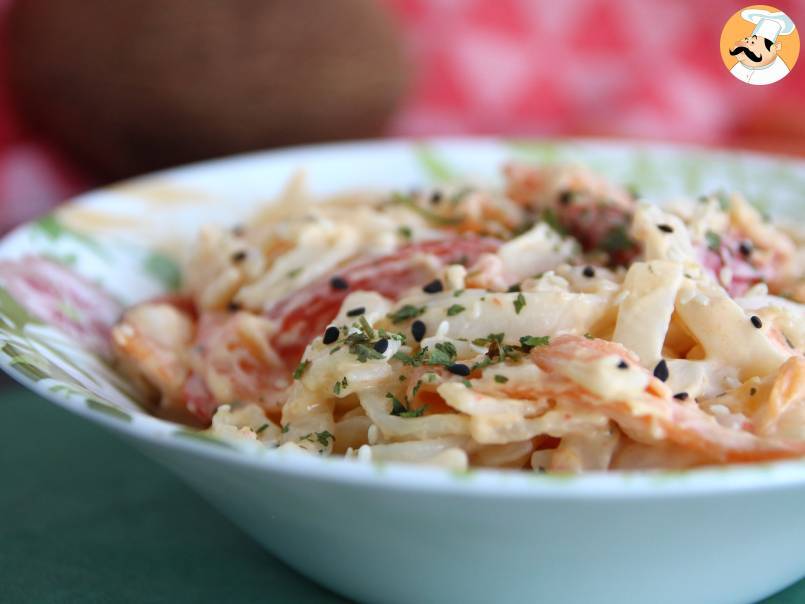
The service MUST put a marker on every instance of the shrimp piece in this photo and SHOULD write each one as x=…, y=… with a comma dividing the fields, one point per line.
x=774, y=405
x=542, y=186
x=150, y=342
x=650, y=414
x=233, y=358
x=484, y=214
x=774, y=249
x=786, y=402
x=633, y=455
x=469, y=211
x=490, y=273
x=423, y=383
x=586, y=206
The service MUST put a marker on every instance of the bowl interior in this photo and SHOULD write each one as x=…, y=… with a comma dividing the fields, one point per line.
x=64, y=277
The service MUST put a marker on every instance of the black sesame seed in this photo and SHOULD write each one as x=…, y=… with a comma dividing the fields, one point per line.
x=623, y=365
x=752, y=391
x=356, y=312
x=339, y=283
x=459, y=369
x=745, y=248
x=239, y=256
x=434, y=287
x=665, y=228
x=681, y=396
x=418, y=330
x=756, y=321
x=565, y=197
x=588, y=272
x=233, y=307
x=330, y=334
x=514, y=288
x=381, y=346
x=435, y=197
x=661, y=371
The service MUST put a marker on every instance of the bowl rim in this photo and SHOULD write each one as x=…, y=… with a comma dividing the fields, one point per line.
x=648, y=144
x=484, y=483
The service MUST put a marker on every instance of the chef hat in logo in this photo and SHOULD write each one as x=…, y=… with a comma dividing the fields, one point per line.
x=767, y=24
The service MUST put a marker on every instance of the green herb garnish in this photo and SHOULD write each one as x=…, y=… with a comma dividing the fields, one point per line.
x=406, y=312
x=550, y=218
x=534, y=341
x=713, y=240
x=616, y=240
x=340, y=385
x=398, y=409
x=414, y=360
x=300, y=369
x=365, y=328
x=364, y=352
x=724, y=201
x=324, y=438
x=395, y=335
x=455, y=309
x=519, y=303
x=443, y=353
x=414, y=412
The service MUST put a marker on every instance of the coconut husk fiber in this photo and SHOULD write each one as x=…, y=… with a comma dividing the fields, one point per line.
x=129, y=86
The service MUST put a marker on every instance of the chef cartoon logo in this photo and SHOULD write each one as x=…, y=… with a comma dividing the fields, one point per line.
x=759, y=45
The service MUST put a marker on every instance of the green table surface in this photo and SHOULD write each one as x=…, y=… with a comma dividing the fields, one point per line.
x=86, y=518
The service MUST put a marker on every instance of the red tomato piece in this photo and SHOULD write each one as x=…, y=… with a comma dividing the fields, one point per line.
x=305, y=314
x=601, y=227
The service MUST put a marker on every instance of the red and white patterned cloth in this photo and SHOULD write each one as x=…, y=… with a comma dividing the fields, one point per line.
x=635, y=68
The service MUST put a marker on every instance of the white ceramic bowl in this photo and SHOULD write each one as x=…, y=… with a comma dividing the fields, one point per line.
x=397, y=533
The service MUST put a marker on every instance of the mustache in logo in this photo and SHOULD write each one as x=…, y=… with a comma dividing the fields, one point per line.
x=750, y=55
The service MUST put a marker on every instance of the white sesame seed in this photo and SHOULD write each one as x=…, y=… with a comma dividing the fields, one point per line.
x=687, y=295
x=372, y=435
x=365, y=453
x=725, y=276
